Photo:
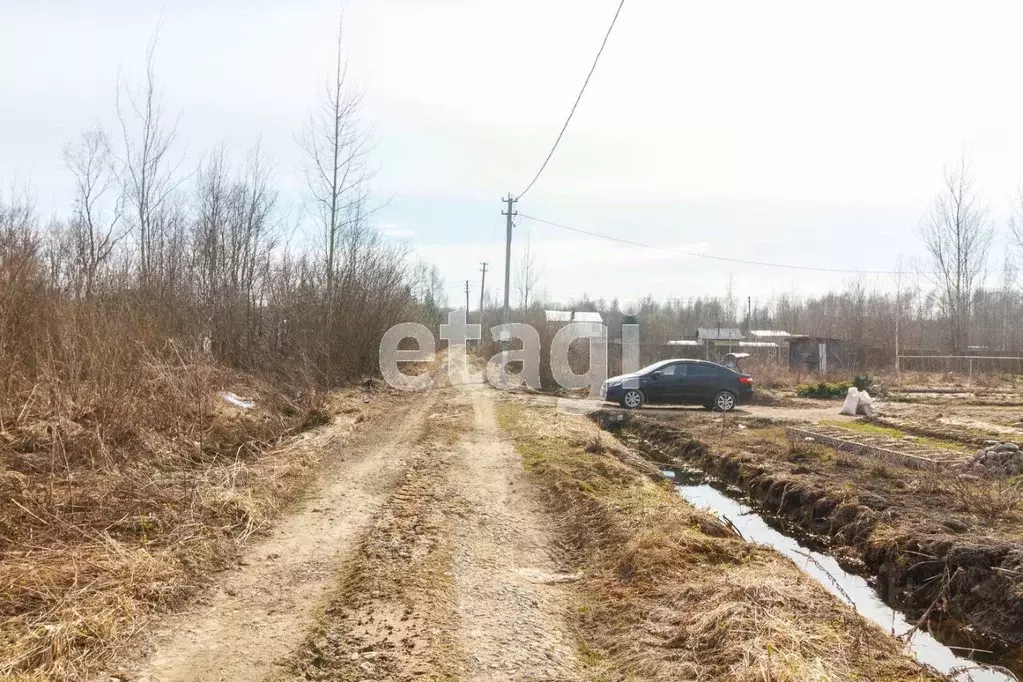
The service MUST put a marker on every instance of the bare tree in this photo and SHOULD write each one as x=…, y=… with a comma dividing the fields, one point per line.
x=1016, y=219
x=337, y=172
x=147, y=173
x=527, y=275
x=94, y=231
x=957, y=235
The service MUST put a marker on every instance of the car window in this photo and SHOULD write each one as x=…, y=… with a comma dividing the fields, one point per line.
x=675, y=370
x=654, y=367
x=703, y=371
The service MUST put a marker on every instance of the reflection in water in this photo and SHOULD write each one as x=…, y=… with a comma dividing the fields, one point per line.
x=827, y=572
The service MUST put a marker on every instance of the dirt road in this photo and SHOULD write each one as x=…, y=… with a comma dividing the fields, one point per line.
x=261, y=612
x=477, y=536
x=505, y=575
x=424, y=553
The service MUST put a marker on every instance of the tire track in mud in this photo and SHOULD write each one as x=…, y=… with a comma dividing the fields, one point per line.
x=261, y=613
x=455, y=580
x=512, y=600
x=392, y=615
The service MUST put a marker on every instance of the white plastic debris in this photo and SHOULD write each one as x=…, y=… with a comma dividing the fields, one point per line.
x=241, y=403
x=852, y=402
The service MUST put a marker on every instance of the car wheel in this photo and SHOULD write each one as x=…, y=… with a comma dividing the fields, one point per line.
x=724, y=401
x=632, y=399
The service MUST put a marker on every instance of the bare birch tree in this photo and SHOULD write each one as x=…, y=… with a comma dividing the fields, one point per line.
x=94, y=231
x=527, y=276
x=337, y=148
x=957, y=235
x=147, y=172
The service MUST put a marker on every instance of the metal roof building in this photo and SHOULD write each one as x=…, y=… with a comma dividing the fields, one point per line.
x=718, y=334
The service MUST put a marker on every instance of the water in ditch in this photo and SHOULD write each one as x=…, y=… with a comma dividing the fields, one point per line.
x=692, y=485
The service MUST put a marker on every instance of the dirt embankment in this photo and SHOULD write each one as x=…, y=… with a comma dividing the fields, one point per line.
x=669, y=592
x=940, y=546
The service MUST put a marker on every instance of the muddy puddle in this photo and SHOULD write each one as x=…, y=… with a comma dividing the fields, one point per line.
x=961, y=664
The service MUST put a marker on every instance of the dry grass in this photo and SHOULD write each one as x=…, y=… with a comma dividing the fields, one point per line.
x=123, y=476
x=672, y=593
x=772, y=375
x=991, y=502
x=116, y=509
x=943, y=379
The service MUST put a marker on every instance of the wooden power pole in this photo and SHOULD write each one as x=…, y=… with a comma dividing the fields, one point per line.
x=510, y=212
x=483, y=287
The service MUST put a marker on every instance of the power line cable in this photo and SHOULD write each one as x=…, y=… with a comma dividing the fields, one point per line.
x=725, y=259
x=577, y=100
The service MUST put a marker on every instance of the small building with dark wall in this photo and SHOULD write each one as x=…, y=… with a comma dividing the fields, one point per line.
x=823, y=355
x=718, y=341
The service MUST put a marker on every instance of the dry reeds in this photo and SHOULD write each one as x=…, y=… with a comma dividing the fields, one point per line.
x=672, y=593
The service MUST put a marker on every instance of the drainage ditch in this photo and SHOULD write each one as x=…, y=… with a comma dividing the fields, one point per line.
x=960, y=663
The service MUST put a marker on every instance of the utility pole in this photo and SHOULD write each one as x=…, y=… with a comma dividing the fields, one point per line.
x=466, y=299
x=510, y=201
x=483, y=287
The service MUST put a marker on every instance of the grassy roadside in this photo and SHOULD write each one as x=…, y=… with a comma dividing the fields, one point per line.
x=104, y=528
x=670, y=592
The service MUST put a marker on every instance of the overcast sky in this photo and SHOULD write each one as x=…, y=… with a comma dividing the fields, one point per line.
x=809, y=133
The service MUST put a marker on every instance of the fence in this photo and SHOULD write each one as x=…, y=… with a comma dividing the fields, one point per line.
x=962, y=364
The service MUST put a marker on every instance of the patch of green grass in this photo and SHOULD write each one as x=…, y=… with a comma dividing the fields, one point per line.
x=823, y=389
x=869, y=429
x=866, y=428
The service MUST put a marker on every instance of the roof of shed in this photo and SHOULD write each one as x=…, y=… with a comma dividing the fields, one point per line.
x=718, y=334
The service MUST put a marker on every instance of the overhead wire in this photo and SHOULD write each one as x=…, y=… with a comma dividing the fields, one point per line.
x=574, y=106
x=726, y=259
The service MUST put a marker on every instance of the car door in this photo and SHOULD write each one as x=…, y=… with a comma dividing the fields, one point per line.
x=701, y=383
x=667, y=385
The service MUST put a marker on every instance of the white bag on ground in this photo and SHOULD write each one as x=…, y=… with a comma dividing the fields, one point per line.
x=866, y=404
x=852, y=402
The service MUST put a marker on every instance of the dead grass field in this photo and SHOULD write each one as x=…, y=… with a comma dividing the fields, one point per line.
x=671, y=592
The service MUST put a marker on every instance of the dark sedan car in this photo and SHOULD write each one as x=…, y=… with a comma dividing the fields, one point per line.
x=690, y=382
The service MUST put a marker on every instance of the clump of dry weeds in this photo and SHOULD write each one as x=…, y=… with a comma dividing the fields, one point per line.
x=990, y=501
x=116, y=504
x=672, y=593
